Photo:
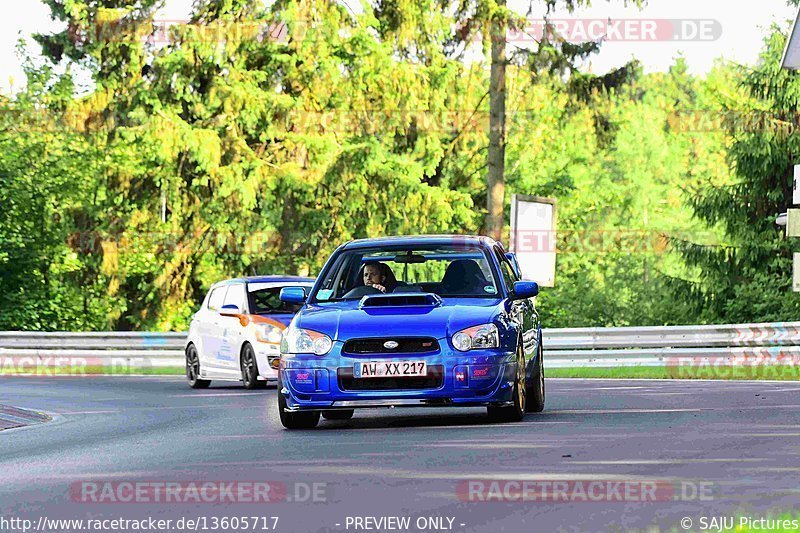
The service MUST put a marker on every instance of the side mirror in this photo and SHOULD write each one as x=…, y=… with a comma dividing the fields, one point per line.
x=512, y=258
x=293, y=295
x=230, y=310
x=525, y=289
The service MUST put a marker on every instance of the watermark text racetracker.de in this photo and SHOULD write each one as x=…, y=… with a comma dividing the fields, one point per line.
x=594, y=241
x=71, y=365
x=197, y=492
x=570, y=29
x=742, y=363
x=590, y=490
x=197, y=523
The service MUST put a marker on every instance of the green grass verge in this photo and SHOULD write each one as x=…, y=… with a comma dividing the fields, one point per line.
x=777, y=372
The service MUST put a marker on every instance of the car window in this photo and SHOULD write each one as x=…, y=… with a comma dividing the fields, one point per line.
x=216, y=298
x=266, y=300
x=446, y=270
x=235, y=295
x=508, y=272
x=508, y=275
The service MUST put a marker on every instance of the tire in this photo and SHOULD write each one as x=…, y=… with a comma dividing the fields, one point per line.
x=535, y=399
x=249, y=368
x=193, y=369
x=338, y=415
x=297, y=420
x=515, y=412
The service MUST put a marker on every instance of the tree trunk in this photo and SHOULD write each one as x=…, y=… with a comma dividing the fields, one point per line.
x=495, y=181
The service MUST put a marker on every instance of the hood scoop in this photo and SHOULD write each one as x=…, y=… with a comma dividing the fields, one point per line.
x=400, y=300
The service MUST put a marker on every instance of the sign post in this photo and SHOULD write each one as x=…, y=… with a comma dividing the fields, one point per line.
x=793, y=227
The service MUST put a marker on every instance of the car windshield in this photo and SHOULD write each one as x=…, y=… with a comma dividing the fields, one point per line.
x=264, y=299
x=457, y=270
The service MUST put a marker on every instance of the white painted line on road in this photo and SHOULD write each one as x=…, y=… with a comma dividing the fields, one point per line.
x=516, y=476
x=225, y=437
x=753, y=408
x=497, y=446
x=156, y=407
x=98, y=412
x=617, y=411
x=667, y=393
x=276, y=463
x=444, y=495
x=589, y=389
x=774, y=469
x=231, y=394
x=665, y=461
x=767, y=435
x=481, y=441
x=84, y=476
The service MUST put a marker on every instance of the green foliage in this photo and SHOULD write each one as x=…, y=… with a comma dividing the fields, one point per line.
x=747, y=276
x=260, y=138
x=47, y=184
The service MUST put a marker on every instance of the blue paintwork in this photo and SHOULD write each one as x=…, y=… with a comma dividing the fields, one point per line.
x=293, y=295
x=526, y=289
x=283, y=319
x=310, y=382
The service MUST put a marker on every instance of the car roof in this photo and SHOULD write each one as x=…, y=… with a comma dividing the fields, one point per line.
x=270, y=279
x=428, y=240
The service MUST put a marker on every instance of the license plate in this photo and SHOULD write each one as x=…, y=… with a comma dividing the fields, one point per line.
x=383, y=369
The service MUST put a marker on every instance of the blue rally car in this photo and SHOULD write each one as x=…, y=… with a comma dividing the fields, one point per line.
x=412, y=321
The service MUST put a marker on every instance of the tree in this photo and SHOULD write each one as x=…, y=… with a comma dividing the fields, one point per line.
x=493, y=18
x=747, y=276
x=50, y=274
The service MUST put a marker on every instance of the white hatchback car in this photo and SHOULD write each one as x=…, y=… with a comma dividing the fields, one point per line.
x=236, y=334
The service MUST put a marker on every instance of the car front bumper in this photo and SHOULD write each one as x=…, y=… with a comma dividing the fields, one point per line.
x=475, y=378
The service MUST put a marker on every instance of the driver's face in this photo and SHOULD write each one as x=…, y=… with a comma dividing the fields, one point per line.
x=372, y=275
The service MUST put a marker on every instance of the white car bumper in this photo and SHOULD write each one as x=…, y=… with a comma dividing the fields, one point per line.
x=263, y=359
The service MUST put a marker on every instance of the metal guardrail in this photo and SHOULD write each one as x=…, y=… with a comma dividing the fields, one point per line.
x=774, y=343
x=117, y=351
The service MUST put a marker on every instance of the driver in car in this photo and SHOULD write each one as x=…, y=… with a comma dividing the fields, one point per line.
x=379, y=276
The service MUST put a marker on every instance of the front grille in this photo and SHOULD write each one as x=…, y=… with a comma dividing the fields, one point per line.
x=433, y=380
x=404, y=345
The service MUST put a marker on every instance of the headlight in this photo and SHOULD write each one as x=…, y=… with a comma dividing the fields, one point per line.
x=297, y=340
x=477, y=337
x=268, y=333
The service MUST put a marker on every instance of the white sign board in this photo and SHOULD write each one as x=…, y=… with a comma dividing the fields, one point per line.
x=533, y=237
x=796, y=186
x=796, y=273
x=793, y=223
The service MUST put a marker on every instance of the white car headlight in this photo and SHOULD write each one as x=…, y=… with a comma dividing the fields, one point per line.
x=268, y=333
x=297, y=340
x=476, y=338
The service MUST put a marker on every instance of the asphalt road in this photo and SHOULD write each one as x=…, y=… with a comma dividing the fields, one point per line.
x=721, y=448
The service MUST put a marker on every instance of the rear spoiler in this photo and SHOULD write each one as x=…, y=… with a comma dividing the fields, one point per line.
x=409, y=299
